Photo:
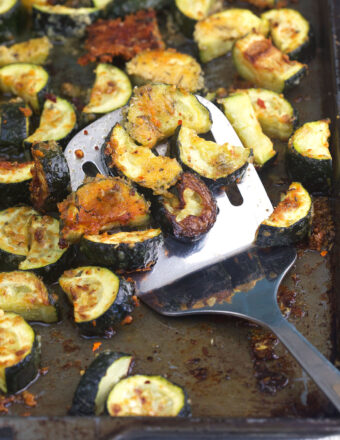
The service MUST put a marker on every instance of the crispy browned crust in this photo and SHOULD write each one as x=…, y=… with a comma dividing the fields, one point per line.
x=38, y=186
x=122, y=38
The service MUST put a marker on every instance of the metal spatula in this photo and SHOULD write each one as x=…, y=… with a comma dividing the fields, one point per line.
x=222, y=273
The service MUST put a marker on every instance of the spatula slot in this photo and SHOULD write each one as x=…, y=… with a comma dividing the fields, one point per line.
x=234, y=195
x=90, y=169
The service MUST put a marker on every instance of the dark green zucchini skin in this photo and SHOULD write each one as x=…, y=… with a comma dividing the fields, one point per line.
x=83, y=403
x=131, y=6
x=14, y=127
x=295, y=79
x=20, y=375
x=122, y=256
x=14, y=193
x=314, y=174
x=307, y=50
x=10, y=261
x=9, y=22
x=122, y=306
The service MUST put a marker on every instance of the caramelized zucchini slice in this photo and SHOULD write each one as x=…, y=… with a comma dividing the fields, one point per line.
x=290, y=221
x=100, y=299
x=15, y=179
x=101, y=204
x=189, y=212
x=123, y=250
x=167, y=67
x=308, y=157
x=34, y=51
x=275, y=114
x=155, y=111
x=142, y=395
x=51, y=176
x=112, y=89
x=14, y=123
x=188, y=13
x=20, y=353
x=58, y=122
x=25, y=294
x=140, y=164
x=258, y=61
x=216, y=35
x=108, y=368
x=216, y=164
x=14, y=235
x=240, y=113
x=290, y=32
x=28, y=81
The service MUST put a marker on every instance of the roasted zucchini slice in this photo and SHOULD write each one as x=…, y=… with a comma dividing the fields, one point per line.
x=25, y=294
x=51, y=176
x=140, y=164
x=14, y=235
x=101, y=204
x=58, y=122
x=290, y=32
x=112, y=89
x=15, y=179
x=308, y=157
x=34, y=51
x=20, y=353
x=290, y=221
x=14, y=123
x=101, y=299
x=216, y=35
x=167, y=67
x=155, y=111
x=240, y=113
x=188, y=13
x=142, y=395
x=189, y=211
x=275, y=114
x=258, y=61
x=104, y=372
x=44, y=256
x=28, y=81
x=123, y=250
x=9, y=19
x=216, y=164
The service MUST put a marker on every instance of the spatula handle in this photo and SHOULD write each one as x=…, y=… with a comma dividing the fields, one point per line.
x=325, y=375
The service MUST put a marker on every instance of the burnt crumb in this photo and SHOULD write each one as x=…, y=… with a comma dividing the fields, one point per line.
x=69, y=346
x=149, y=358
x=271, y=381
x=262, y=344
x=200, y=373
x=323, y=230
x=193, y=361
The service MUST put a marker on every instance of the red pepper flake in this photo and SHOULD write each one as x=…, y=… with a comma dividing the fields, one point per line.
x=96, y=346
x=86, y=132
x=79, y=154
x=127, y=320
x=50, y=97
x=94, y=323
x=323, y=253
x=261, y=103
x=179, y=122
x=26, y=111
x=96, y=148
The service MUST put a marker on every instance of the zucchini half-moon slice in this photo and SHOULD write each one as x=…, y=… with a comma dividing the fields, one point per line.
x=290, y=221
x=20, y=353
x=34, y=51
x=112, y=89
x=188, y=13
x=258, y=61
x=28, y=81
x=123, y=250
x=14, y=123
x=25, y=294
x=216, y=164
x=101, y=299
x=142, y=395
x=105, y=371
x=308, y=156
x=15, y=179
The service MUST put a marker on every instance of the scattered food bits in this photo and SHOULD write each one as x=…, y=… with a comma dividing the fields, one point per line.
x=127, y=320
x=96, y=346
x=29, y=399
x=26, y=111
x=79, y=154
x=323, y=253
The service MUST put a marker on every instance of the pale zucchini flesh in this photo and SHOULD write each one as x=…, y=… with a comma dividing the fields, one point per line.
x=33, y=51
x=311, y=140
x=196, y=10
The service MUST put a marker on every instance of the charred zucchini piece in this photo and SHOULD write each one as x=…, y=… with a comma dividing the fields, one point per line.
x=188, y=13
x=189, y=212
x=275, y=114
x=20, y=353
x=101, y=299
x=58, y=122
x=9, y=19
x=28, y=81
x=140, y=164
x=14, y=123
x=123, y=250
x=112, y=89
x=25, y=294
x=216, y=35
x=15, y=179
x=44, y=256
x=167, y=67
x=14, y=235
x=142, y=395
x=155, y=111
x=101, y=204
x=290, y=32
x=34, y=51
x=258, y=61
x=240, y=113
x=308, y=157
x=104, y=372
x=51, y=176
x=290, y=220
x=216, y=164
x=131, y=6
